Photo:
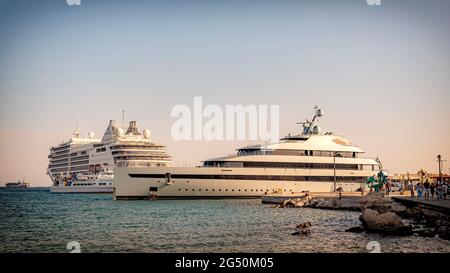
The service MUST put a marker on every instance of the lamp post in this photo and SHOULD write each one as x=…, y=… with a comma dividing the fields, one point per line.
x=439, y=158
x=334, y=167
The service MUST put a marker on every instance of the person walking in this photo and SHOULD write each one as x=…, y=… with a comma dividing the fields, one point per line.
x=388, y=188
x=419, y=189
x=411, y=187
x=439, y=190
x=432, y=190
x=444, y=189
x=426, y=191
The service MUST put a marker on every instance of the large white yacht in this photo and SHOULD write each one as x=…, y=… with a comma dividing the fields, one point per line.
x=310, y=161
x=86, y=164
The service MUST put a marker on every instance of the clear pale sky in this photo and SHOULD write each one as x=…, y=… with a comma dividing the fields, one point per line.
x=381, y=74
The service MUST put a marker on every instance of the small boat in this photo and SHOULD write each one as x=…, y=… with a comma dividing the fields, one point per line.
x=18, y=185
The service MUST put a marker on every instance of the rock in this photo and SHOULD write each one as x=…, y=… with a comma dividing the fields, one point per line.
x=304, y=225
x=297, y=203
x=357, y=229
x=302, y=232
x=306, y=232
x=397, y=208
x=429, y=233
x=375, y=201
x=444, y=231
x=324, y=204
x=385, y=223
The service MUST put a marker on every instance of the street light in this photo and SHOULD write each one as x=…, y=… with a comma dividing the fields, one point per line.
x=439, y=158
x=334, y=167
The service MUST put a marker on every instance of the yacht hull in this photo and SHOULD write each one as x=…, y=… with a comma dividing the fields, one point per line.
x=82, y=189
x=148, y=183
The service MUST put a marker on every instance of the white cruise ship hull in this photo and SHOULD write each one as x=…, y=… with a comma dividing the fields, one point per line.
x=82, y=189
x=147, y=183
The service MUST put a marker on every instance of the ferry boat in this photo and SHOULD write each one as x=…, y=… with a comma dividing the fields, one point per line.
x=310, y=161
x=18, y=185
x=86, y=164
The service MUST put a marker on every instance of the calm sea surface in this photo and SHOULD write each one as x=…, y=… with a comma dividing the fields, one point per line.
x=37, y=221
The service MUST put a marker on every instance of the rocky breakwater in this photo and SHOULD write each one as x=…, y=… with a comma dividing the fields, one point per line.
x=385, y=216
x=379, y=215
x=428, y=222
x=324, y=202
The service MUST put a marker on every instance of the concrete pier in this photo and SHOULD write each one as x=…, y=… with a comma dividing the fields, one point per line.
x=439, y=205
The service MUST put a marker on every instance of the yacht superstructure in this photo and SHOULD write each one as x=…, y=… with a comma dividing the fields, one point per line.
x=86, y=164
x=310, y=161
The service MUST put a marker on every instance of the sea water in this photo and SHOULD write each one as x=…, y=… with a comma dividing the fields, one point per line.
x=35, y=220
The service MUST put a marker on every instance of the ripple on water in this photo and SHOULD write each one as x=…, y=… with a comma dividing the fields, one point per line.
x=37, y=221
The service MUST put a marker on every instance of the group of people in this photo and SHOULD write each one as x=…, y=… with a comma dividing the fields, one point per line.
x=427, y=190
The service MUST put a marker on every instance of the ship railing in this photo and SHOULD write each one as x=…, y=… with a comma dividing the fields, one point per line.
x=139, y=164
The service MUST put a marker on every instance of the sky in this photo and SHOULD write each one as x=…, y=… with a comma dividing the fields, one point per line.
x=380, y=73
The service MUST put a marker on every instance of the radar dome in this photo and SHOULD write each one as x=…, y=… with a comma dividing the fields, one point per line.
x=120, y=132
x=146, y=133
x=319, y=112
x=90, y=135
x=316, y=130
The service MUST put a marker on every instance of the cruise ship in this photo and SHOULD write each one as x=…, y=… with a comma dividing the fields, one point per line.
x=86, y=164
x=310, y=161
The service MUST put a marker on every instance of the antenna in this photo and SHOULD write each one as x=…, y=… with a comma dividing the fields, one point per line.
x=76, y=133
x=123, y=118
x=308, y=125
